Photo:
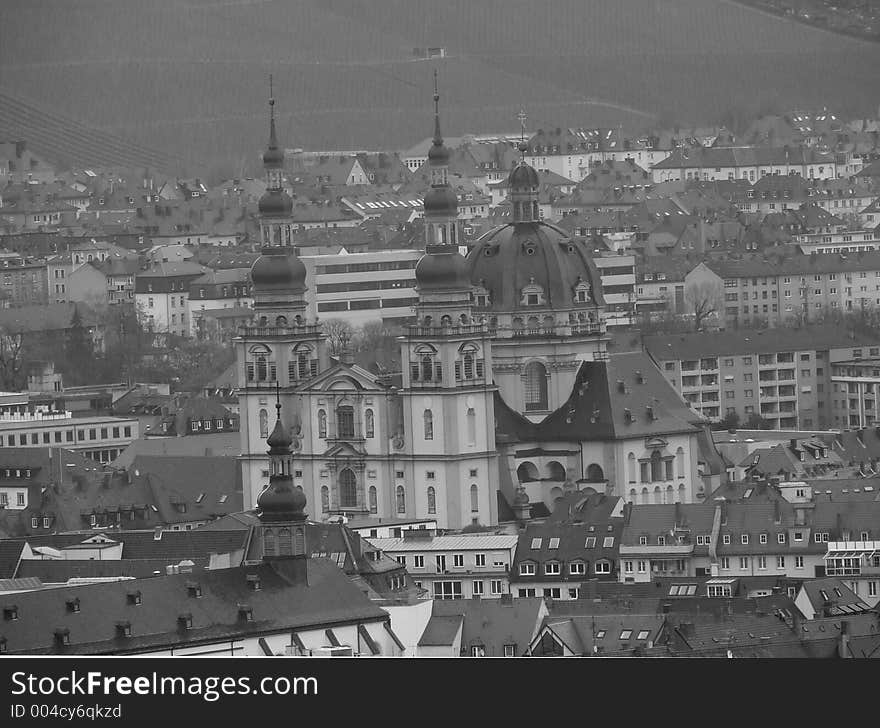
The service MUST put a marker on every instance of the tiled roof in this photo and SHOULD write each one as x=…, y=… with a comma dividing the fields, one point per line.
x=492, y=623
x=673, y=347
x=796, y=265
x=281, y=604
x=10, y=553
x=441, y=631
x=843, y=599
x=445, y=543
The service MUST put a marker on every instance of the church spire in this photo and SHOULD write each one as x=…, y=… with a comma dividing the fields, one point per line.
x=438, y=137
x=280, y=500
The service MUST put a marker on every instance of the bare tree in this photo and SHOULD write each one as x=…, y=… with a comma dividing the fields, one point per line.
x=704, y=299
x=339, y=334
x=12, y=373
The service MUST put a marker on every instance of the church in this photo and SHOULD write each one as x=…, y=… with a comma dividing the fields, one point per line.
x=507, y=397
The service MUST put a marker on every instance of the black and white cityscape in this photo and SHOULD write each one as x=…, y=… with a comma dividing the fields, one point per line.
x=484, y=328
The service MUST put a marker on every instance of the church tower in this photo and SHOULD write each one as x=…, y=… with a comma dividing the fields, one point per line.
x=447, y=371
x=280, y=506
x=279, y=349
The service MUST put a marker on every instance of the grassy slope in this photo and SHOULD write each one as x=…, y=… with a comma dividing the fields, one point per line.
x=189, y=75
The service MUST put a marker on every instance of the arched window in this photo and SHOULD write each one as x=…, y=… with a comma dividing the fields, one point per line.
x=536, y=386
x=285, y=542
x=656, y=466
x=475, y=498
x=325, y=499
x=679, y=462
x=347, y=489
x=594, y=473
x=555, y=470
x=432, y=500
x=429, y=424
x=345, y=421
x=471, y=426
x=281, y=321
x=446, y=320
x=658, y=495
x=401, y=499
x=669, y=494
x=369, y=424
x=527, y=472
x=644, y=496
x=681, y=494
x=468, y=365
x=322, y=423
x=631, y=467
x=264, y=423
x=374, y=501
x=270, y=545
x=632, y=495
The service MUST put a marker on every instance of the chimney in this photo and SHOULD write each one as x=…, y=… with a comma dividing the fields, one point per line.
x=843, y=644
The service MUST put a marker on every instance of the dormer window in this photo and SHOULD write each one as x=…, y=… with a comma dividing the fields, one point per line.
x=582, y=291
x=532, y=294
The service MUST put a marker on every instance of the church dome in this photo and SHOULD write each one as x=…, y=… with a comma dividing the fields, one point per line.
x=438, y=154
x=522, y=175
x=441, y=201
x=442, y=270
x=275, y=203
x=278, y=269
x=516, y=258
x=281, y=500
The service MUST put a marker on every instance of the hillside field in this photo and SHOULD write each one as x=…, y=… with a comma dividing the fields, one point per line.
x=189, y=77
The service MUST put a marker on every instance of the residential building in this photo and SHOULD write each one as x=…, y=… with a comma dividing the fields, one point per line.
x=454, y=567
x=752, y=163
x=162, y=293
x=217, y=290
x=787, y=376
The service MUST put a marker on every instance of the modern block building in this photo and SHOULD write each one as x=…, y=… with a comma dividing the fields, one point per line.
x=809, y=377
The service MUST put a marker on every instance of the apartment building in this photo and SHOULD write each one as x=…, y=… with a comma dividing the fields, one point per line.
x=797, y=289
x=361, y=287
x=844, y=241
x=791, y=378
x=99, y=438
x=617, y=273
x=746, y=162
x=454, y=567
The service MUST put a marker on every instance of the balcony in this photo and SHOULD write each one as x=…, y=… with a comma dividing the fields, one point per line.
x=251, y=332
x=673, y=550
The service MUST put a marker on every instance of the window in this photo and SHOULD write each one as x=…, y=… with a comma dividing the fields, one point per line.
x=590, y=543
x=447, y=590
x=418, y=561
x=780, y=562
x=762, y=538
x=432, y=500
x=348, y=489
x=475, y=499
x=603, y=567
x=798, y=562
x=495, y=586
x=401, y=499
x=577, y=567
x=625, y=634
x=345, y=421
x=762, y=562
x=428, y=418
x=744, y=562
x=458, y=560
x=477, y=588
x=527, y=569
x=510, y=650
x=535, y=386
x=552, y=568
x=479, y=559
x=608, y=542
x=369, y=424
x=536, y=543
x=322, y=424
x=725, y=562
x=744, y=539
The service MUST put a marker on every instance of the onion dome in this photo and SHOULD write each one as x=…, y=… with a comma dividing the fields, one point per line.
x=279, y=438
x=278, y=269
x=442, y=268
x=441, y=201
x=275, y=203
x=281, y=500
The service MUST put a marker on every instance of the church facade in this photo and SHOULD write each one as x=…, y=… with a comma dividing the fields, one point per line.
x=506, y=397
